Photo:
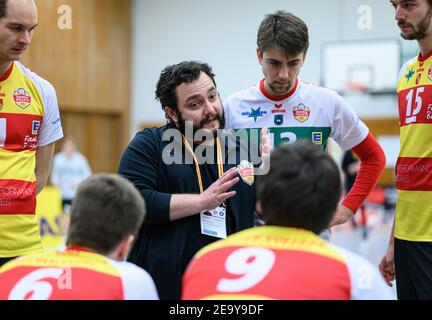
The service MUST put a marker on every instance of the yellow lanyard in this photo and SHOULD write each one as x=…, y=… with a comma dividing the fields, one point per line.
x=198, y=171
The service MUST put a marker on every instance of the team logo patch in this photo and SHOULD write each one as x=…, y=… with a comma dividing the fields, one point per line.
x=22, y=98
x=279, y=108
x=430, y=73
x=301, y=113
x=278, y=119
x=35, y=127
x=246, y=171
x=317, y=138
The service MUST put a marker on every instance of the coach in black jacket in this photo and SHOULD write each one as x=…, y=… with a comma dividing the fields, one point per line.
x=172, y=232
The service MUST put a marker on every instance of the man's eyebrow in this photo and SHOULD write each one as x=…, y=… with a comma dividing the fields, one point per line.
x=17, y=24
x=194, y=96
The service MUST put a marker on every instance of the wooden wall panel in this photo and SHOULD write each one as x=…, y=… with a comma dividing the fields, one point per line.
x=89, y=65
x=96, y=136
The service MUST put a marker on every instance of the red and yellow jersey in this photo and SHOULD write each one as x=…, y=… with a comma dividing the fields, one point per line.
x=29, y=118
x=280, y=263
x=414, y=165
x=75, y=274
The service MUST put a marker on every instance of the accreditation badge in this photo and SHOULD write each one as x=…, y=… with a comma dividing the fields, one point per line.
x=213, y=222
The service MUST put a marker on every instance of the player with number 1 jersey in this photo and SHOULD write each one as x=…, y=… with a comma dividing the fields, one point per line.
x=29, y=119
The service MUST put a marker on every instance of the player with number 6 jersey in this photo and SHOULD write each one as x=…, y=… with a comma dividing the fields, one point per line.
x=106, y=214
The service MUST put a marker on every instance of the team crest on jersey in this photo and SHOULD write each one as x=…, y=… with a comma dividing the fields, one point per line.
x=278, y=119
x=246, y=171
x=429, y=75
x=22, y=98
x=301, y=113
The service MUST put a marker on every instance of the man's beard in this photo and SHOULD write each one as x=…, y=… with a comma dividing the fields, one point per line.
x=420, y=30
x=278, y=91
x=181, y=125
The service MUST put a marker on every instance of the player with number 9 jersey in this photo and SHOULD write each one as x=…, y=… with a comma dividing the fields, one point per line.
x=280, y=263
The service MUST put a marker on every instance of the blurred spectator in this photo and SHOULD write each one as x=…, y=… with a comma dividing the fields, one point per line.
x=70, y=167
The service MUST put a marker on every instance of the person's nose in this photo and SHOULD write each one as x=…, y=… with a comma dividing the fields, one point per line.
x=400, y=14
x=283, y=73
x=209, y=107
x=25, y=38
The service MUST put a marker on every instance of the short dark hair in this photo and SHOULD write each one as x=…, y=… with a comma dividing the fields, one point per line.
x=284, y=30
x=173, y=76
x=3, y=8
x=106, y=209
x=302, y=188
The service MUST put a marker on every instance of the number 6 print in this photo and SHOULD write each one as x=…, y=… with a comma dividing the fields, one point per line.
x=35, y=286
x=252, y=264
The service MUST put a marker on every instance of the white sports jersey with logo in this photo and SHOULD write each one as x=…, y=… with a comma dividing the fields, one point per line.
x=308, y=112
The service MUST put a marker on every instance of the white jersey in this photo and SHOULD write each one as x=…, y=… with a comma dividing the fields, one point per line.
x=50, y=128
x=307, y=112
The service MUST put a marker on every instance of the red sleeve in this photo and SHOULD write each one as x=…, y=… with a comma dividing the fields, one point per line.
x=372, y=163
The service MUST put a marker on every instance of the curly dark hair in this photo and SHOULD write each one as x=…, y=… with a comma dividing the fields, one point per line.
x=173, y=76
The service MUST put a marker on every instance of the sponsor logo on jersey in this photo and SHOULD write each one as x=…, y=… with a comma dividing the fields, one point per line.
x=278, y=109
x=22, y=98
x=301, y=113
x=35, y=127
x=255, y=113
x=278, y=119
x=317, y=138
x=430, y=73
x=409, y=75
x=246, y=171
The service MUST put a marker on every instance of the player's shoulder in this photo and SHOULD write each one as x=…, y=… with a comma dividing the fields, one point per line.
x=244, y=94
x=131, y=271
x=350, y=258
x=40, y=82
x=316, y=91
x=406, y=66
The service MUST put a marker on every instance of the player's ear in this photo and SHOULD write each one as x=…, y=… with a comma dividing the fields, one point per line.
x=124, y=247
x=259, y=55
x=171, y=113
